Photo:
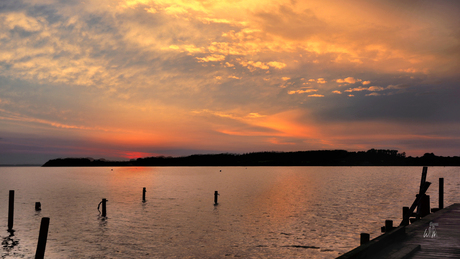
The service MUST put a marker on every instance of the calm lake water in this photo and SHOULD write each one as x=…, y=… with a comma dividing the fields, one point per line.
x=263, y=212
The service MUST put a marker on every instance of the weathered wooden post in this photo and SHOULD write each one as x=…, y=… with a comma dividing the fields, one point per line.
x=38, y=206
x=424, y=185
x=423, y=180
x=42, y=237
x=388, y=225
x=104, y=209
x=365, y=237
x=215, y=197
x=424, y=205
x=11, y=210
x=143, y=194
x=405, y=221
x=441, y=193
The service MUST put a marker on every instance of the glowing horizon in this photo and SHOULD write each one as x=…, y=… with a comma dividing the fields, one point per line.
x=118, y=79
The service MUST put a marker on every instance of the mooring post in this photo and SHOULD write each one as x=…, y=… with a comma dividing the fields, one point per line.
x=405, y=221
x=42, y=237
x=215, y=197
x=388, y=225
x=424, y=206
x=38, y=206
x=365, y=237
x=143, y=194
x=11, y=210
x=441, y=193
x=104, y=209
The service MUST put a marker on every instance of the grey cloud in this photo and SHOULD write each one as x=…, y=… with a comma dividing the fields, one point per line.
x=439, y=106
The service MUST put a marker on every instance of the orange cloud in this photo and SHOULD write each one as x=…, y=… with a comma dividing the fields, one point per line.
x=276, y=64
x=375, y=88
x=212, y=58
x=350, y=80
x=302, y=91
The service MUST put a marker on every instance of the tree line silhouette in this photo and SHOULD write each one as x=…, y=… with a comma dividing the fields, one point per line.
x=372, y=157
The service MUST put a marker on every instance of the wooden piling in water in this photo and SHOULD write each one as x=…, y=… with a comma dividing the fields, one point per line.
x=215, y=197
x=42, y=238
x=38, y=206
x=364, y=238
x=11, y=210
x=143, y=194
x=441, y=193
x=104, y=208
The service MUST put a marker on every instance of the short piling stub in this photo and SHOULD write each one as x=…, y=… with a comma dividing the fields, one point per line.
x=216, y=194
x=38, y=206
x=143, y=194
x=42, y=238
x=424, y=208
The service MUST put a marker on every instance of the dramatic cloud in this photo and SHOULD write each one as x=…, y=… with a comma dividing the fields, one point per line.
x=118, y=78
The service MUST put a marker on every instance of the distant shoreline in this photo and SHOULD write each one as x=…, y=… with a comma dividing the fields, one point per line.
x=372, y=157
x=19, y=165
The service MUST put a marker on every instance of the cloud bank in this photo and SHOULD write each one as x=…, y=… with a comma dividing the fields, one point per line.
x=112, y=78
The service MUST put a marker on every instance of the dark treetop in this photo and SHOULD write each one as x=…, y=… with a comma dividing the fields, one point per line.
x=372, y=157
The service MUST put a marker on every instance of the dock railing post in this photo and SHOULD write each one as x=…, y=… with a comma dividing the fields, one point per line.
x=388, y=225
x=365, y=237
x=405, y=221
x=424, y=206
x=42, y=238
x=441, y=193
x=11, y=210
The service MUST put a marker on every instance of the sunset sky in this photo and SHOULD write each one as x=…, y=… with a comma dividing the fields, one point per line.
x=126, y=79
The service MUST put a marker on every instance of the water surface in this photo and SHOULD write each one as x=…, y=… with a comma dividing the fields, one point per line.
x=263, y=212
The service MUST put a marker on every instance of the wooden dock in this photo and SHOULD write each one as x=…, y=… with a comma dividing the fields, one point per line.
x=431, y=235
x=436, y=235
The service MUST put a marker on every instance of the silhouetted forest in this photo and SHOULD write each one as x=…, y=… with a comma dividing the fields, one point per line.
x=372, y=157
